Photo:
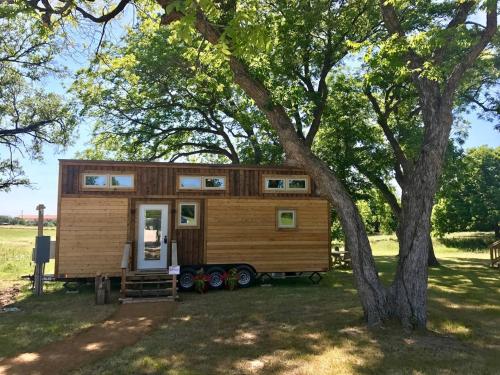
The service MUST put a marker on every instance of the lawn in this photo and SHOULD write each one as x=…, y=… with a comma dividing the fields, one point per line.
x=294, y=327
x=41, y=319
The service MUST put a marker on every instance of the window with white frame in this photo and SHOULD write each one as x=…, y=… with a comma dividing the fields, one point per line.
x=297, y=183
x=274, y=183
x=95, y=181
x=286, y=184
x=214, y=182
x=287, y=218
x=201, y=182
x=187, y=215
x=190, y=182
x=122, y=181
x=107, y=181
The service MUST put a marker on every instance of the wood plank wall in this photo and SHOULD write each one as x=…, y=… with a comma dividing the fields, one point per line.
x=245, y=231
x=92, y=232
x=156, y=183
x=156, y=180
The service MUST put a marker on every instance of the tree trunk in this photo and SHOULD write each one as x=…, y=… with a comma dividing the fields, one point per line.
x=497, y=231
x=408, y=292
x=431, y=259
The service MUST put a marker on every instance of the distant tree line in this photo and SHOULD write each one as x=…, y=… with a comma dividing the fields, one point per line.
x=10, y=220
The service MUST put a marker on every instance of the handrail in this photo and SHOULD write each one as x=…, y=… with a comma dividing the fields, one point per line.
x=126, y=255
x=127, y=250
x=174, y=253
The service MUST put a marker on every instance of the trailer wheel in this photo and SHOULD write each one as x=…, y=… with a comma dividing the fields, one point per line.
x=216, y=277
x=186, y=279
x=246, y=276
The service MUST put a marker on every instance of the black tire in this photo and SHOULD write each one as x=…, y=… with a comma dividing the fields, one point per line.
x=246, y=276
x=216, y=277
x=186, y=279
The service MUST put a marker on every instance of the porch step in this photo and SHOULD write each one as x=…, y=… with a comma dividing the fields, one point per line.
x=143, y=300
x=148, y=292
x=147, y=285
x=138, y=282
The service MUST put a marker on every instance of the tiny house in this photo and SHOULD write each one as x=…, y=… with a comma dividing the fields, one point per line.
x=258, y=219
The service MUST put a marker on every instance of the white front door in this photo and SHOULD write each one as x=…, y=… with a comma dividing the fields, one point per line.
x=153, y=236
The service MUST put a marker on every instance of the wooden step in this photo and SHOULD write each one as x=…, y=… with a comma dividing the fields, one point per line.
x=149, y=299
x=148, y=273
x=148, y=292
x=139, y=282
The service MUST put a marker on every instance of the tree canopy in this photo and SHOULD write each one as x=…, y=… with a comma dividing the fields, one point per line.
x=29, y=115
x=469, y=197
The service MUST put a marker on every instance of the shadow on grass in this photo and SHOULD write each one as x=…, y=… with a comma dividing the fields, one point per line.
x=294, y=327
x=46, y=318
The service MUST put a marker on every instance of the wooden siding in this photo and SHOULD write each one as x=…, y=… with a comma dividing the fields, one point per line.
x=160, y=179
x=92, y=232
x=244, y=231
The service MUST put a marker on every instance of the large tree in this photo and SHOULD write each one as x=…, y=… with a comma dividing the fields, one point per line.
x=29, y=116
x=308, y=39
x=152, y=101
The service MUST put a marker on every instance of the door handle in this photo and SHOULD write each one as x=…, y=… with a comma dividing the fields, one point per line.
x=165, y=239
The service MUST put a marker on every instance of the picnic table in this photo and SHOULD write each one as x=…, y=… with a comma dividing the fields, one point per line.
x=341, y=258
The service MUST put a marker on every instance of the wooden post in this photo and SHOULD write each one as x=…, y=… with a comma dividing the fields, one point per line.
x=100, y=293
x=107, y=290
x=39, y=267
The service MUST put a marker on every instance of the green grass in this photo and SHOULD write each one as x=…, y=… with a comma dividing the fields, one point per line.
x=41, y=319
x=295, y=327
x=16, y=244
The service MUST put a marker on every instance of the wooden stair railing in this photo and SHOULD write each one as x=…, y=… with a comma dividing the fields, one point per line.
x=174, y=263
x=126, y=257
x=495, y=254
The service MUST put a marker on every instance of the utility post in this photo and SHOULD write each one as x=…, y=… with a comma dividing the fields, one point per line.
x=39, y=264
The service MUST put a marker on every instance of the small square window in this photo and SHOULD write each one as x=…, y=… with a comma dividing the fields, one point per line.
x=120, y=181
x=287, y=218
x=187, y=214
x=95, y=180
x=214, y=183
x=274, y=183
x=190, y=182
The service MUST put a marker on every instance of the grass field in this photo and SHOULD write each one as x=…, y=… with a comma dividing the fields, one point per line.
x=41, y=319
x=294, y=327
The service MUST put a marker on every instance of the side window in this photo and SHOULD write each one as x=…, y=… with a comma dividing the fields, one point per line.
x=189, y=183
x=297, y=184
x=95, y=181
x=122, y=181
x=286, y=218
x=214, y=183
x=187, y=215
x=286, y=184
x=274, y=183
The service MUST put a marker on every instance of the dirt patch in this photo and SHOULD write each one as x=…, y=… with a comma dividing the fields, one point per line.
x=8, y=296
x=124, y=328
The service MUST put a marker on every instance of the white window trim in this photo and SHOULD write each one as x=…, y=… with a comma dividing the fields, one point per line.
x=304, y=178
x=84, y=179
x=204, y=183
x=284, y=210
x=196, y=214
x=180, y=187
x=268, y=178
x=110, y=181
x=286, y=179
